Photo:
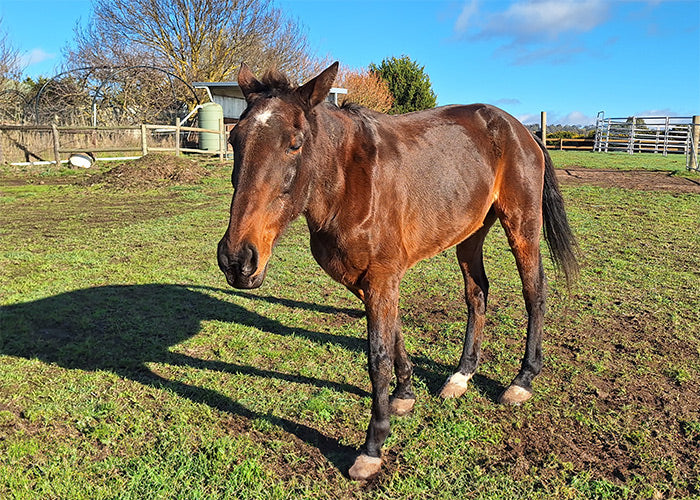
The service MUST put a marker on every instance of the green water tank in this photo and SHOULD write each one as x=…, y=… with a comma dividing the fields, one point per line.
x=210, y=115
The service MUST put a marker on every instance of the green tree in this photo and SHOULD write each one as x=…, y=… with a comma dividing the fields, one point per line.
x=408, y=83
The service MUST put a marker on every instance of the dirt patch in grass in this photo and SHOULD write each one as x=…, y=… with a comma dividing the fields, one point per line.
x=615, y=411
x=646, y=180
x=58, y=217
x=152, y=170
x=615, y=427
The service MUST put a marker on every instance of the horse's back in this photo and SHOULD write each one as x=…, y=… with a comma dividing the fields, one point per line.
x=472, y=141
x=440, y=171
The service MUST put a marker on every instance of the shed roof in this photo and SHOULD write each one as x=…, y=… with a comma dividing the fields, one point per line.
x=232, y=89
x=230, y=96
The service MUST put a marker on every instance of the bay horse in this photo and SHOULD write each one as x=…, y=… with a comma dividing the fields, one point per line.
x=380, y=193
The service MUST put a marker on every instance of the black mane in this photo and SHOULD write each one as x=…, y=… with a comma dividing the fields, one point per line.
x=275, y=81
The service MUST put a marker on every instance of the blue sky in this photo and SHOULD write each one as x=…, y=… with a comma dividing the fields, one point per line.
x=569, y=58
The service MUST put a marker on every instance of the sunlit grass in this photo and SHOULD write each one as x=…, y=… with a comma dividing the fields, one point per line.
x=129, y=369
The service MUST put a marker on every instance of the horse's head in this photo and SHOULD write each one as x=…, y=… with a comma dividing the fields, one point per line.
x=272, y=171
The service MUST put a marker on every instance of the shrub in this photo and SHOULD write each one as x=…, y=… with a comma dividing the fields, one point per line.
x=408, y=83
x=366, y=89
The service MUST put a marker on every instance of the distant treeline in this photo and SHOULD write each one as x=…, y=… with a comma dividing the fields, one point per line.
x=565, y=131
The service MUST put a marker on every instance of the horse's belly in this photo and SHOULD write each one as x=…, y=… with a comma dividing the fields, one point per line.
x=442, y=224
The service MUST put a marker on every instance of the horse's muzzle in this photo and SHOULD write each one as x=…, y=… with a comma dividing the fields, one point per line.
x=241, y=267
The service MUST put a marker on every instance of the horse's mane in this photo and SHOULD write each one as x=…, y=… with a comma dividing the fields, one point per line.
x=359, y=112
x=275, y=80
x=353, y=107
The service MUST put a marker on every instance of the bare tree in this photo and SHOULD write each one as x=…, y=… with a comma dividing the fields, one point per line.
x=10, y=67
x=12, y=99
x=198, y=40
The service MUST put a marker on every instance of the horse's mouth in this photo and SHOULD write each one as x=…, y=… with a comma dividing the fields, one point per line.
x=242, y=268
x=236, y=280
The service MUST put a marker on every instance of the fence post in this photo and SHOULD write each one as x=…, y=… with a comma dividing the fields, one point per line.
x=543, y=127
x=695, y=143
x=222, y=138
x=177, y=136
x=56, y=154
x=144, y=143
x=633, y=126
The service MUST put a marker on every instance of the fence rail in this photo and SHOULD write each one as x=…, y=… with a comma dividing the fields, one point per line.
x=564, y=143
x=119, y=134
x=637, y=134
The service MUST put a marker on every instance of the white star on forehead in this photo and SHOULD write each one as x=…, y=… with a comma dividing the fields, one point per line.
x=263, y=116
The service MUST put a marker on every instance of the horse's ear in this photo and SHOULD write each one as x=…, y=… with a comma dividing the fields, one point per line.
x=315, y=91
x=247, y=81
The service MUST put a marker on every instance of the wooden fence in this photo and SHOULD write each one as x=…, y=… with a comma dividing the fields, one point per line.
x=118, y=135
x=563, y=143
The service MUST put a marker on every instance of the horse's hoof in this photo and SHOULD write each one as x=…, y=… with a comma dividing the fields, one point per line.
x=515, y=395
x=401, y=407
x=365, y=467
x=455, y=386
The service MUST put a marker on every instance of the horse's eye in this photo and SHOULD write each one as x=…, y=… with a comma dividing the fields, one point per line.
x=295, y=143
x=294, y=148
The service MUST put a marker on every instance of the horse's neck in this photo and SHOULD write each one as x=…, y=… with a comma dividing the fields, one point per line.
x=342, y=188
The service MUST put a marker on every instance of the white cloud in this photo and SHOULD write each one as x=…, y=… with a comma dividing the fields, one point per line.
x=470, y=8
x=576, y=118
x=507, y=101
x=529, y=20
x=526, y=28
x=528, y=119
x=35, y=56
x=658, y=112
x=572, y=118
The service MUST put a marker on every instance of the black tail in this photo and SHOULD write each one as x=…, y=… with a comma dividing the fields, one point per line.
x=557, y=232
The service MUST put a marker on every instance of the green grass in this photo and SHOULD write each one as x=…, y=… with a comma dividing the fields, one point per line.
x=622, y=161
x=128, y=369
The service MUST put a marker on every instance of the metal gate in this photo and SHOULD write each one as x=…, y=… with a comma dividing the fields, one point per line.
x=643, y=134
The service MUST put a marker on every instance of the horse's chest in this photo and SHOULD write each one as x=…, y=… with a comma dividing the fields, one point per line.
x=345, y=262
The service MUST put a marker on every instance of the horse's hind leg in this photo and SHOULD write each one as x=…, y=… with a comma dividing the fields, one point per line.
x=523, y=231
x=476, y=290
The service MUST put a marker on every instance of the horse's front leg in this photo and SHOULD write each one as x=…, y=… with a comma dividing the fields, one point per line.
x=381, y=303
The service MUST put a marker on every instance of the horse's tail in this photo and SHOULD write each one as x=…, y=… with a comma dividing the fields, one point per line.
x=557, y=232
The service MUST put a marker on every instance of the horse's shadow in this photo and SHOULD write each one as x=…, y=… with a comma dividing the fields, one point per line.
x=123, y=328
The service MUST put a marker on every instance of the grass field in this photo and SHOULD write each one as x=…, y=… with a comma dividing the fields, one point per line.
x=624, y=161
x=128, y=369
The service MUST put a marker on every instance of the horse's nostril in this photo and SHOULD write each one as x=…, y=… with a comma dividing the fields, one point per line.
x=224, y=261
x=249, y=259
